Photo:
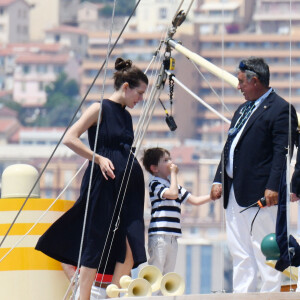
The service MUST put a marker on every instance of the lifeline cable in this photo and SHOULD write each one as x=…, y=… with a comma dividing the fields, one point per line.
x=289, y=150
x=223, y=226
x=45, y=212
x=221, y=99
x=77, y=110
x=94, y=154
x=133, y=153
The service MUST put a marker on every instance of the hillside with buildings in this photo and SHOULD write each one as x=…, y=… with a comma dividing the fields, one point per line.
x=41, y=39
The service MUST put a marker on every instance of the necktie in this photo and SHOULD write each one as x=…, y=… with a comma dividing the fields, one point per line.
x=237, y=127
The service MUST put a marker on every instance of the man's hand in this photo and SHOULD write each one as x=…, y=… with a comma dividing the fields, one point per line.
x=294, y=197
x=271, y=197
x=216, y=191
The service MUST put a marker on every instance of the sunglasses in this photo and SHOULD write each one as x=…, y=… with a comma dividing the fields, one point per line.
x=244, y=67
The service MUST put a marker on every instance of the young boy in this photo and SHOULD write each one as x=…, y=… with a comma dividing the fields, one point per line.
x=166, y=197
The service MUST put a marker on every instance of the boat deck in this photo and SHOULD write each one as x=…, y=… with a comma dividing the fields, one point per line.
x=248, y=296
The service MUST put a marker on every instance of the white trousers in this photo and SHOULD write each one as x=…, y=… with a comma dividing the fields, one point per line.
x=162, y=249
x=298, y=232
x=298, y=282
x=245, y=248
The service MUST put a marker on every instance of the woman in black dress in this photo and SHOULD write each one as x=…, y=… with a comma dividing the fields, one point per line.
x=114, y=189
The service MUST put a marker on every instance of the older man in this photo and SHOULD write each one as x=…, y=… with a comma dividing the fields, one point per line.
x=250, y=168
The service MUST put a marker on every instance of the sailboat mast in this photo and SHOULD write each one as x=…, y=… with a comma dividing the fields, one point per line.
x=199, y=60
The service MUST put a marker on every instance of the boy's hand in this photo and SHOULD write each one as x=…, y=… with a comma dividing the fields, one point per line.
x=216, y=191
x=174, y=168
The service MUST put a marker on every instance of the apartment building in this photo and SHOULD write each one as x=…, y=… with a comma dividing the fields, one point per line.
x=89, y=17
x=8, y=55
x=213, y=15
x=47, y=14
x=9, y=124
x=225, y=50
x=156, y=16
x=14, y=21
x=6, y=69
x=73, y=38
x=274, y=16
x=33, y=72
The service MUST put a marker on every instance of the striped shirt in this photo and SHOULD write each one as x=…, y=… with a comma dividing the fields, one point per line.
x=165, y=214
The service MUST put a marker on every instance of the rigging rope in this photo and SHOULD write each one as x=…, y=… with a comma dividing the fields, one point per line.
x=224, y=140
x=45, y=212
x=131, y=155
x=120, y=198
x=94, y=152
x=199, y=99
x=70, y=123
x=150, y=104
x=148, y=111
x=290, y=145
x=221, y=99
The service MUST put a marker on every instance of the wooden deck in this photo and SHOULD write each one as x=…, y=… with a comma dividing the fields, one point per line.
x=248, y=296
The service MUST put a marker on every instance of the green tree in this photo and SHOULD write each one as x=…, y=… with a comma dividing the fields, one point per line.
x=11, y=104
x=16, y=107
x=123, y=7
x=61, y=104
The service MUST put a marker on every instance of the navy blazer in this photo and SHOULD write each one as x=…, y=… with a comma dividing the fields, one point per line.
x=296, y=174
x=260, y=153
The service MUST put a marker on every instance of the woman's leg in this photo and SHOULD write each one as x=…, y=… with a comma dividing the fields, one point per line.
x=69, y=270
x=86, y=279
x=123, y=268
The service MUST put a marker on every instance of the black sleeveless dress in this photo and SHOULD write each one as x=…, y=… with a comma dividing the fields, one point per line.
x=103, y=244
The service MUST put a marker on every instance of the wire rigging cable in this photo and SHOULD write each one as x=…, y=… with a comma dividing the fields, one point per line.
x=45, y=212
x=70, y=123
x=223, y=140
x=290, y=145
x=156, y=89
x=125, y=182
x=199, y=99
x=221, y=99
x=147, y=111
x=94, y=151
x=115, y=212
x=154, y=92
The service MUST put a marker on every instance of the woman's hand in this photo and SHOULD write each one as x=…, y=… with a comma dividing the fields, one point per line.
x=107, y=167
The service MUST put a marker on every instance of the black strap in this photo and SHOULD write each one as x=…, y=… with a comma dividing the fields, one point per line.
x=254, y=220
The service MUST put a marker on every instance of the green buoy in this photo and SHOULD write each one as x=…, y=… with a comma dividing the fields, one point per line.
x=269, y=247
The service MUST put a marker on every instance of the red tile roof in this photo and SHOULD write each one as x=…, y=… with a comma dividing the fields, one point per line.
x=9, y=2
x=218, y=128
x=7, y=124
x=6, y=2
x=68, y=29
x=5, y=93
x=7, y=113
x=43, y=129
x=184, y=154
x=97, y=5
x=15, y=138
x=10, y=49
x=42, y=59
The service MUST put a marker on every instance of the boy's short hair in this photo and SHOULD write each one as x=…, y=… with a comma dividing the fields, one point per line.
x=152, y=157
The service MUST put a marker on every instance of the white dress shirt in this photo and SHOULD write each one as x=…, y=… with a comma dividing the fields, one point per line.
x=229, y=166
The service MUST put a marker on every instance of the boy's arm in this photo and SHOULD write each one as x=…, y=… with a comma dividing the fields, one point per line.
x=198, y=200
x=172, y=192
